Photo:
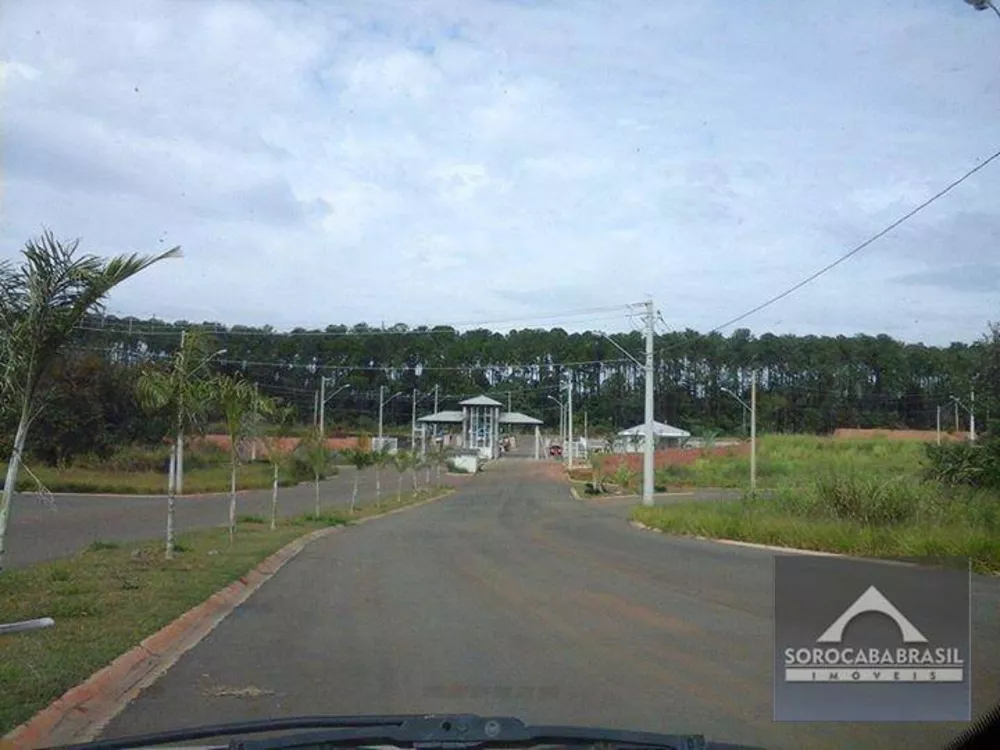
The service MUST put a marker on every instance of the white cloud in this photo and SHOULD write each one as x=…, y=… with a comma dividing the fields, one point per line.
x=331, y=163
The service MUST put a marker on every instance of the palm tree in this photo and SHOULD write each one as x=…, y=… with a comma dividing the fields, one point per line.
x=440, y=460
x=41, y=303
x=184, y=395
x=241, y=407
x=401, y=461
x=313, y=449
x=379, y=459
x=275, y=455
x=361, y=460
x=413, y=463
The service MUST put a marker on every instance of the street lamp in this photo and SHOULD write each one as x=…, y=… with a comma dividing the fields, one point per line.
x=752, y=408
x=744, y=403
x=323, y=398
x=381, y=405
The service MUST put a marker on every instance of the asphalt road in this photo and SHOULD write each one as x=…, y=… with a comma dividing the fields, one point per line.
x=42, y=530
x=510, y=597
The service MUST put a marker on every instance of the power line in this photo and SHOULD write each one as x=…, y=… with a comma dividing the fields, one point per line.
x=155, y=329
x=863, y=245
x=319, y=367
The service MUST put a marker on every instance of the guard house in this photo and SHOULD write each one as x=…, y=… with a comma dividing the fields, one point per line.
x=480, y=420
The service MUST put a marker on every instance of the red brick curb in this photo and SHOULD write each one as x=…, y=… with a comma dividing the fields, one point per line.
x=83, y=711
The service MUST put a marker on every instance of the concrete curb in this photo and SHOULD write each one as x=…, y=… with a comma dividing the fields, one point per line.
x=773, y=548
x=83, y=711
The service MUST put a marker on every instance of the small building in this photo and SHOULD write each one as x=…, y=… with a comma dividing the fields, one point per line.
x=633, y=440
x=478, y=426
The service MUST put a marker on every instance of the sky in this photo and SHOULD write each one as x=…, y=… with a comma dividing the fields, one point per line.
x=459, y=161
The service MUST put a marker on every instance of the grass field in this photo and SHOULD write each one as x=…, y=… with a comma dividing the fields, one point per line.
x=797, y=460
x=110, y=597
x=210, y=479
x=862, y=497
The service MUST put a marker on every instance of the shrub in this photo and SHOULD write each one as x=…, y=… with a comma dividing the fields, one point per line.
x=865, y=500
x=971, y=464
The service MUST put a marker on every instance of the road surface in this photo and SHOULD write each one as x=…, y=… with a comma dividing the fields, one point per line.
x=42, y=530
x=510, y=597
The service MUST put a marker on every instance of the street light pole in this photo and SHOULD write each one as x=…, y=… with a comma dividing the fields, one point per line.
x=753, y=431
x=322, y=407
x=569, y=410
x=753, y=424
x=381, y=403
x=413, y=423
x=972, y=415
x=648, y=455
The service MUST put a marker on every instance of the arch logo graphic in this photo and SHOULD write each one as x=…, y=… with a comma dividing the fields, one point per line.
x=869, y=641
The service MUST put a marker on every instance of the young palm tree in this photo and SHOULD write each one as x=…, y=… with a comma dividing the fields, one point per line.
x=183, y=392
x=41, y=303
x=313, y=449
x=240, y=406
x=275, y=455
x=360, y=459
x=401, y=461
x=379, y=459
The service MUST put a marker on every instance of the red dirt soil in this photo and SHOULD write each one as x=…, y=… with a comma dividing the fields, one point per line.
x=286, y=444
x=924, y=435
x=673, y=456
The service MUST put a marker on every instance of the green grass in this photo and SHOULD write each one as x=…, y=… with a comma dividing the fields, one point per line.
x=795, y=461
x=111, y=596
x=852, y=513
x=212, y=479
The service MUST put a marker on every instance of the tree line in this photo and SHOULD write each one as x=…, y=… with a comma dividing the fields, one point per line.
x=812, y=384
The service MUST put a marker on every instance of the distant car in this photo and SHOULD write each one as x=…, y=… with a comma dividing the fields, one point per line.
x=555, y=450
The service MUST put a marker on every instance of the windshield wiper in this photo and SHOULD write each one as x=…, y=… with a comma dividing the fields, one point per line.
x=418, y=731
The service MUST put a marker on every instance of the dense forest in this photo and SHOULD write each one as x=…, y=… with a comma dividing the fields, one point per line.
x=805, y=384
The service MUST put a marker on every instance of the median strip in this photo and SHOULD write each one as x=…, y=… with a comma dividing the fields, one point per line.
x=113, y=595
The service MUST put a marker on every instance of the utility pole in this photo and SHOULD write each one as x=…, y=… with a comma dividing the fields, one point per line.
x=508, y=402
x=753, y=431
x=569, y=409
x=381, y=390
x=322, y=407
x=649, y=447
x=413, y=423
x=939, y=425
x=956, y=417
x=972, y=416
x=434, y=427
x=256, y=401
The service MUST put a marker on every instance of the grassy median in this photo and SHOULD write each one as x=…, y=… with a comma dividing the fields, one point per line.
x=110, y=597
x=852, y=513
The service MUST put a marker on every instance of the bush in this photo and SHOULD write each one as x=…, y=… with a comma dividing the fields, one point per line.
x=971, y=464
x=866, y=500
x=155, y=458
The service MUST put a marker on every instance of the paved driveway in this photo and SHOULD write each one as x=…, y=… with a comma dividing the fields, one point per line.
x=511, y=597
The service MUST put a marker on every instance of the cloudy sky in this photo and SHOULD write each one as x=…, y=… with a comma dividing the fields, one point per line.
x=459, y=161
